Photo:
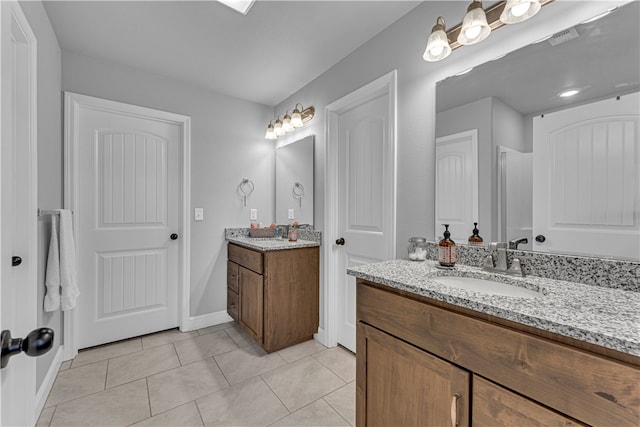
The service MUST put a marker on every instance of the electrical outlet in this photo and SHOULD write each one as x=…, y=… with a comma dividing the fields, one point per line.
x=198, y=214
x=254, y=214
x=290, y=214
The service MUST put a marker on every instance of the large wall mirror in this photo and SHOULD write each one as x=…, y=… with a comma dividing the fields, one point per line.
x=294, y=182
x=561, y=171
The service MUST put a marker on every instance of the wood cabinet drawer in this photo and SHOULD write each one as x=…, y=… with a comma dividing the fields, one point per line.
x=494, y=406
x=233, y=302
x=585, y=386
x=232, y=276
x=246, y=257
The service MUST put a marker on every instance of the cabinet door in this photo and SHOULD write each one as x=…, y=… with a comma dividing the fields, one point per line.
x=251, y=301
x=401, y=385
x=494, y=406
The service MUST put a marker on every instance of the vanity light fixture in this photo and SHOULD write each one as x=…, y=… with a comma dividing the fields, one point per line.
x=475, y=27
x=298, y=117
x=477, y=24
x=438, y=44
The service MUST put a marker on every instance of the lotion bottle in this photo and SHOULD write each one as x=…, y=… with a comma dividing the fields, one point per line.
x=475, y=239
x=447, y=249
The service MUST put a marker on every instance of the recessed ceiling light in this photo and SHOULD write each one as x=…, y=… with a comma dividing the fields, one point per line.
x=241, y=6
x=568, y=93
x=461, y=73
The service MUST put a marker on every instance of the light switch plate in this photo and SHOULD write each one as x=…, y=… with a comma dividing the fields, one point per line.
x=290, y=214
x=254, y=214
x=198, y=214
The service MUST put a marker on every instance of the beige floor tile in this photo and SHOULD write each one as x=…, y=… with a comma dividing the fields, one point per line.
x=65, y=365
x=119, y=406
x=74, y=383
x=141, y=364
x=182, y=416
x=342, y=362
x=166, y=337
x=344, y=401
x=216, y=328
x=239, y=336
x=302, y=350
x=178, y=386
x=302, y=382
x=318, y=413
x=247, y=362
x=105, y=352
x=251, y=403
x=204, y=346
x=45, y=417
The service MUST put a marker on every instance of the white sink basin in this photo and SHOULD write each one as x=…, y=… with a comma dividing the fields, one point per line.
x=487, y=286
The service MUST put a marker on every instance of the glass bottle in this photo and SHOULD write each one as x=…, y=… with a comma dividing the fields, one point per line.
x=417, y=248
x=475, y=239
x=447, y=249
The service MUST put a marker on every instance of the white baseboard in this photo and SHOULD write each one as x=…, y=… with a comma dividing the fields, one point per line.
x=47, y=383
x=206, y=320
x=321, y=336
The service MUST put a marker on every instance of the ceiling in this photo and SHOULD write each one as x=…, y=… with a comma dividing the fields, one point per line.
x=264, y=57
x=603, y=61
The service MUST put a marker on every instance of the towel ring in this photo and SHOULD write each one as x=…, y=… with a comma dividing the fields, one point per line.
x=298, y=192
x=246, y=187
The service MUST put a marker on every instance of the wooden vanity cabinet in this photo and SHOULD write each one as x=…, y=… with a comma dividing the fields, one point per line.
x=515, y=376
x=277, y=294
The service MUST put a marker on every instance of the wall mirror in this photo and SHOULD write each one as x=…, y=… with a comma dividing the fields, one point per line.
x=592, y=171
x=294, y=182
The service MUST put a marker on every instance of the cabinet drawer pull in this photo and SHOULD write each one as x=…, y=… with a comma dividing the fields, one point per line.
x=454, y=410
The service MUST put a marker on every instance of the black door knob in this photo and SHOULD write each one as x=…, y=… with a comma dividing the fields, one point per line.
x=540, y=238
x=16, y=261
x=340, y=242
x=38, y=342
x=173, y=236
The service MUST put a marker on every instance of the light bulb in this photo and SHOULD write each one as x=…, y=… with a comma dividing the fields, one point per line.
x=286, y=124
x=473, y=32
x=520, y=9
x=474, y=25
x=277, y=128
x=438, y=46
x=296, y=118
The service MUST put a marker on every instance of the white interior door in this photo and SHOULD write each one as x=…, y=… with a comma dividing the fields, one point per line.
x=457, y=184
x=128, y=205
x=365, y=148
x=586, y=179
x=18, y=218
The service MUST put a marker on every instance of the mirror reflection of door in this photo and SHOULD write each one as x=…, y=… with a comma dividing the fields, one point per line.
x=294, y=182
x=586, y=179
x=457, y=184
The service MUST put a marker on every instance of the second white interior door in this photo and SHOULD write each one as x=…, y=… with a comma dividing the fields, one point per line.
x=129, y=206
x=366, y=184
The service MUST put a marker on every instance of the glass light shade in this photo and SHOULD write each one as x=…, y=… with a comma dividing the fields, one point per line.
x=286, y=124
x=438, y=46
x=270, y=132
x=296, y=119
x=519, y=10
x=277, y=128
x=474, y=25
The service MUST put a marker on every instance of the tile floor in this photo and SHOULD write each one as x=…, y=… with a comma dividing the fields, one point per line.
x=215, y=376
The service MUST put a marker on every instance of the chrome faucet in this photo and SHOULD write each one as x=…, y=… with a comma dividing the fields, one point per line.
x=498, y=261
x=513, y=244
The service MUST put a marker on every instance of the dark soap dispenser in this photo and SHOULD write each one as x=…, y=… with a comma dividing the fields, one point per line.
x=475, y=239
x=447, y=249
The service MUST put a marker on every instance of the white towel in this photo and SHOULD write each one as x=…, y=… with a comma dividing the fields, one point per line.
x=61, y=276
x=52, y=279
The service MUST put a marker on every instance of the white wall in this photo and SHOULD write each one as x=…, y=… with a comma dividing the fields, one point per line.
x=227, y=144
x=49, y=160
x=400, y=47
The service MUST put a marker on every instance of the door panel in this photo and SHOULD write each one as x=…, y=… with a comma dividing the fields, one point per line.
x=128, y=205
x=586, y=183
x=251, y=301
x=365, y=199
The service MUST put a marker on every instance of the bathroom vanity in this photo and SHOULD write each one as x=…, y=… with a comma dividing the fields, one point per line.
x=432, y=354
x=273, y=289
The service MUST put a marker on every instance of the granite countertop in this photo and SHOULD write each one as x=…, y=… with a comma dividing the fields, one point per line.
x=603, y=316
x=271, y=243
